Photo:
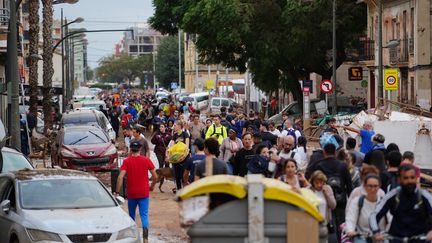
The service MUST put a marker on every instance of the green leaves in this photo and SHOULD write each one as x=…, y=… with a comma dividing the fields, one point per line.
x=167, y=61
x=281, y=40
x=118, y=69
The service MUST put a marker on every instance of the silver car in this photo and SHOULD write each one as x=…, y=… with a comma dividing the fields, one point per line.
x=54, y=205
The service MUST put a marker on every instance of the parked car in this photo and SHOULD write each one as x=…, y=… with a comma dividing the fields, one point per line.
x=89, y=104
x=84, y=148
x=13, y=160
x=200, y=100
x=294, y=111
x=52, y=205
x=88, y=117
x=217, y=102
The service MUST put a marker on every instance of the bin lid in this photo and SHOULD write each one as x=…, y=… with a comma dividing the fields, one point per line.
x=237, y=186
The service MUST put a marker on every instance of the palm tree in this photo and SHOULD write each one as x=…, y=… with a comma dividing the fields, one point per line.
x=48, y=70
x=33, y=51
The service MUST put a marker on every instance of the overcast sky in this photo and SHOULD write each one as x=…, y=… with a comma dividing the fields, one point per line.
x=105, y=14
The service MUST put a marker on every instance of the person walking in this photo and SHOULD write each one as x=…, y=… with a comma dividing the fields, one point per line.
x=211, y=150
x=410, y=207
x=136, y=167
x=243, y=156
x=161, y=139
x=139, y=137
x=229, y=148
x=217, y=130
x=179, y=135
x=190, y=164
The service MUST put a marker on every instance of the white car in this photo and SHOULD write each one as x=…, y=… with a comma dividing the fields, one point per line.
x=54, y=205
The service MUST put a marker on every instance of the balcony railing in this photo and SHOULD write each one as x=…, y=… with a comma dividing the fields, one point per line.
x=399, y=53
x=4, y=16
x=366, y=50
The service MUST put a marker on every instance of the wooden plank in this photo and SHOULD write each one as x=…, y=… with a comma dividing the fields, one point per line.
x=301, y=227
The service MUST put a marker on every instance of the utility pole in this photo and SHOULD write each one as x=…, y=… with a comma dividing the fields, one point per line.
x=12, y=77
x=64, y=100
x=334, y=59
x=196, y=69
x=380, y=51
x=180, y=59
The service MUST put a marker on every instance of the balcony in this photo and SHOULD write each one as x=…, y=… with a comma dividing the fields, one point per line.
x=366, y=50
x=399, y=54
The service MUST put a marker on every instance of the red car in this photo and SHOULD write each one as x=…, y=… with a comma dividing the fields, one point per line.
x=84, y=148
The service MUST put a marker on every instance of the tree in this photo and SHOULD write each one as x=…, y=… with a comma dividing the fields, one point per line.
x=33, y=50
x=279, y=40
x=114, y=69
x=48, y=69
x=167, y=66
x=89, y=73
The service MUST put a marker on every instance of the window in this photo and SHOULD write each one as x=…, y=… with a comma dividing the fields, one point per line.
x=133, y=48
x=84, y=137
x=216, y=102
x=148, y=48
x=148, y=40
x=70, y=193
x=4, y=182
x=225, y=103
x=14, y=161
x=412, y=23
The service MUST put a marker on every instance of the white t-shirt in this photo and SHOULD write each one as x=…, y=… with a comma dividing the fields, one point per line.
x=276, y=132
x=296, y=156
x=360, y=223
x=303, y=158
x=322, y=206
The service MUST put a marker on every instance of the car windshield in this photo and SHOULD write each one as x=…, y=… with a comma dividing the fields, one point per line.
x=82, y=119
x=69, y=193
x=187, y=99
x=225, y=103
x=91, y=105
x=14, y=161
x=84, y=137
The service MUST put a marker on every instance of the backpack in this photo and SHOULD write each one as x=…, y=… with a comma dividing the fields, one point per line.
x=292, y=132
x=335, y=182
x=219, y=134
x=393, y=183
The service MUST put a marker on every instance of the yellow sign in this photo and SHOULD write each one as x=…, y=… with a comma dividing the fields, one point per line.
x=209, y=84
x=391, y=79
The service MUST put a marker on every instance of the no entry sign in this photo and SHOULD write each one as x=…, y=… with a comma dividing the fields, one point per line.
x=326, y=86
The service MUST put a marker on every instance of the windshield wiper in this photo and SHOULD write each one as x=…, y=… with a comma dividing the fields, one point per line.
x=96, y=135
x=79, y=140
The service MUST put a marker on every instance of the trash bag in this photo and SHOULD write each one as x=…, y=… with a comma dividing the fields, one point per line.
x=177, y=153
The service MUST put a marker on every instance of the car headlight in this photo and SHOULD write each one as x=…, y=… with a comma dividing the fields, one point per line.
x=111, y=150
x=39, y=235
x=131, y=232
x=67, y=153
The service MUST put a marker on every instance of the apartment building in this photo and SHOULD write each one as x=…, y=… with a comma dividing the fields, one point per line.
x=144, y=40
x=200, y=77
x=408, y=24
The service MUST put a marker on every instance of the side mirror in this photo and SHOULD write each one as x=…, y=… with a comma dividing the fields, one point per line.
x=5, y=206
x=120, y=200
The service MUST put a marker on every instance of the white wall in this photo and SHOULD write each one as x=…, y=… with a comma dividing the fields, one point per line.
x=57, y=65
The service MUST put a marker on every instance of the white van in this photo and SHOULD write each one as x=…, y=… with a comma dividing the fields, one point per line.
x=218, y=102
x=200, y=100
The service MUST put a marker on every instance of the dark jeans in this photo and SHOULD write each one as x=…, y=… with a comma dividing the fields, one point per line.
x=178, y=174
x=338, y=218
x=161, y=160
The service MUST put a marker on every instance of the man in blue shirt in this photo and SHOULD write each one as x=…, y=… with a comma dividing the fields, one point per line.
x=132, y=110
x=189, y=167
x=366, y=135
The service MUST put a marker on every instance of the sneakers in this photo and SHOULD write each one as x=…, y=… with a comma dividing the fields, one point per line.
x=145, y=235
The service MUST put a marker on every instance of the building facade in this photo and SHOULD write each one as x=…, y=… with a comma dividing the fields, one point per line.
x=143, y=41
x=407, y=23
x=201, y=77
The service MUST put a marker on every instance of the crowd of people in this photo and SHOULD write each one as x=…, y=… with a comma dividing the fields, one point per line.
x=364, y=191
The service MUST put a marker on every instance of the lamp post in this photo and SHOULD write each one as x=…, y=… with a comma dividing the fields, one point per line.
x=380, y=52
x=180, y=57
x=63, y=29
x=334, y=59
x=12, y=76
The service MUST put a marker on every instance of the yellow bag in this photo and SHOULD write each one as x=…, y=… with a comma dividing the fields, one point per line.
x=177, y=153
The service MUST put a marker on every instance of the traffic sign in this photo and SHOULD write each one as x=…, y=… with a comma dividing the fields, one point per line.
x=306, y=89
x=326, y=86
x=391, y=79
